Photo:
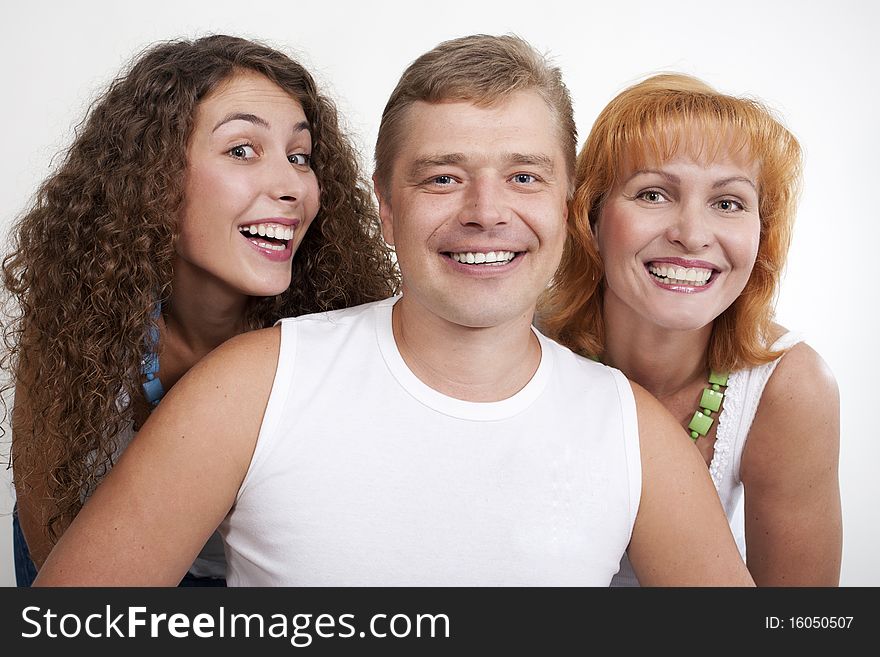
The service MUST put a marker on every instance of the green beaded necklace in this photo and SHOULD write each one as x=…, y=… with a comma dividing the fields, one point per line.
x=710, y=402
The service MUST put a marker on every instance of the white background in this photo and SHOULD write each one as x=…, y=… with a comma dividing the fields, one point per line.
x=814, y=62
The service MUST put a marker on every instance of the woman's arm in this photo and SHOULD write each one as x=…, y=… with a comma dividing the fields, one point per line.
x=681, y=536
x=790, y=474
x=177, y=479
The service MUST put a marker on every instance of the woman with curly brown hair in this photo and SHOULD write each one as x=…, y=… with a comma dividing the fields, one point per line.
x=689, y=196
x=209, y=192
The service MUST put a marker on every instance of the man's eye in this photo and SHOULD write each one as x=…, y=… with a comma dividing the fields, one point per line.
x=443, y=180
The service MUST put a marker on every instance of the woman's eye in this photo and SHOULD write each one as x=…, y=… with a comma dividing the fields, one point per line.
x=242, y=152
x=652, y=196
x=301, y=159
x=729, y=205
x=524, y=178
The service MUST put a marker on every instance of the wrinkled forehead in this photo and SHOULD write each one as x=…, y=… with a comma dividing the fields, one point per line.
x=520, y=121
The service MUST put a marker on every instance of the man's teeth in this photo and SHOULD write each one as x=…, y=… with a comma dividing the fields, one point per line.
x=491, y=258
x=672, y=275
x=269, y=230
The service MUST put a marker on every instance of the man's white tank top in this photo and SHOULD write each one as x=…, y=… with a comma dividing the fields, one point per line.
x=364, y=476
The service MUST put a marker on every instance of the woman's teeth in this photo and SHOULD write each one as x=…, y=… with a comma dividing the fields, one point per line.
x=490, y=258
x=671, y=275
x=271, y=247
x=269, y=230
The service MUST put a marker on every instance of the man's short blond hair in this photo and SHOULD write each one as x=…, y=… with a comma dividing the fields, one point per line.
x=479, y=69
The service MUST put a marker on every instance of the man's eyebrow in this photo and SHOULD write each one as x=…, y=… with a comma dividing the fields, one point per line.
x=533, y=160
x=256, y=120
x=438, y=160
x=446, y=159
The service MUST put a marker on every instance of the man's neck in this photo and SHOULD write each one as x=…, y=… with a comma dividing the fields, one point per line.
x=471, y=364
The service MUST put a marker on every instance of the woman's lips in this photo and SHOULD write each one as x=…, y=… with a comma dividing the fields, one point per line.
x=271, y=238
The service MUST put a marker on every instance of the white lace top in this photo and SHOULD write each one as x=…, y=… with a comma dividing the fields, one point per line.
x=741, y=399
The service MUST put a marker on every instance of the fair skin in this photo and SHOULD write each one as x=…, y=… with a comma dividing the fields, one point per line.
x=474, y=181
x=247, y=165
x=464, y=329
x=248, y=173
x=687, y=213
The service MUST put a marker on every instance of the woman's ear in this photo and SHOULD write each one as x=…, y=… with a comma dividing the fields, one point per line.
x=594, y=222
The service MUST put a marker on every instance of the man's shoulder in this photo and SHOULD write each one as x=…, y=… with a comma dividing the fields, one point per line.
x=587, y=379
x=321, y=338
x=341, y=317
x=576, y=363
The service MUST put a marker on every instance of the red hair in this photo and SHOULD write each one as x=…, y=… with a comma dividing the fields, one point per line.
x=650, y=122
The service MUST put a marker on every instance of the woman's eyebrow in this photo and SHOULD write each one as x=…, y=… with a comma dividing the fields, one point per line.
x=665, y=174
x=243, y=116
x=258, y=121
x=725, y=181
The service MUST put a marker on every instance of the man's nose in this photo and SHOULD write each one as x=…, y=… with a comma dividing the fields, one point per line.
x=484, y=203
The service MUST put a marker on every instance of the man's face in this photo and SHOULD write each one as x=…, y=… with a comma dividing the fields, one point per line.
x=476, y=208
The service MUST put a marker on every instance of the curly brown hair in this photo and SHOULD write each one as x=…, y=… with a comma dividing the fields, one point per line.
x=94, y=253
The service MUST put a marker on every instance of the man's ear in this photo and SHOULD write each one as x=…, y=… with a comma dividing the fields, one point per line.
x=385, y=213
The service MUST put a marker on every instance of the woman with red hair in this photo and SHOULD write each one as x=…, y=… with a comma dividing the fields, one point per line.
x=679, y=230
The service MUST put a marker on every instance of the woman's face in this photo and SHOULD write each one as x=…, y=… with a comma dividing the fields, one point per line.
x=679, y=239
x=250, y=191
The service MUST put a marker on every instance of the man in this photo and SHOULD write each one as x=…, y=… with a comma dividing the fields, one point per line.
x=434, y=439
